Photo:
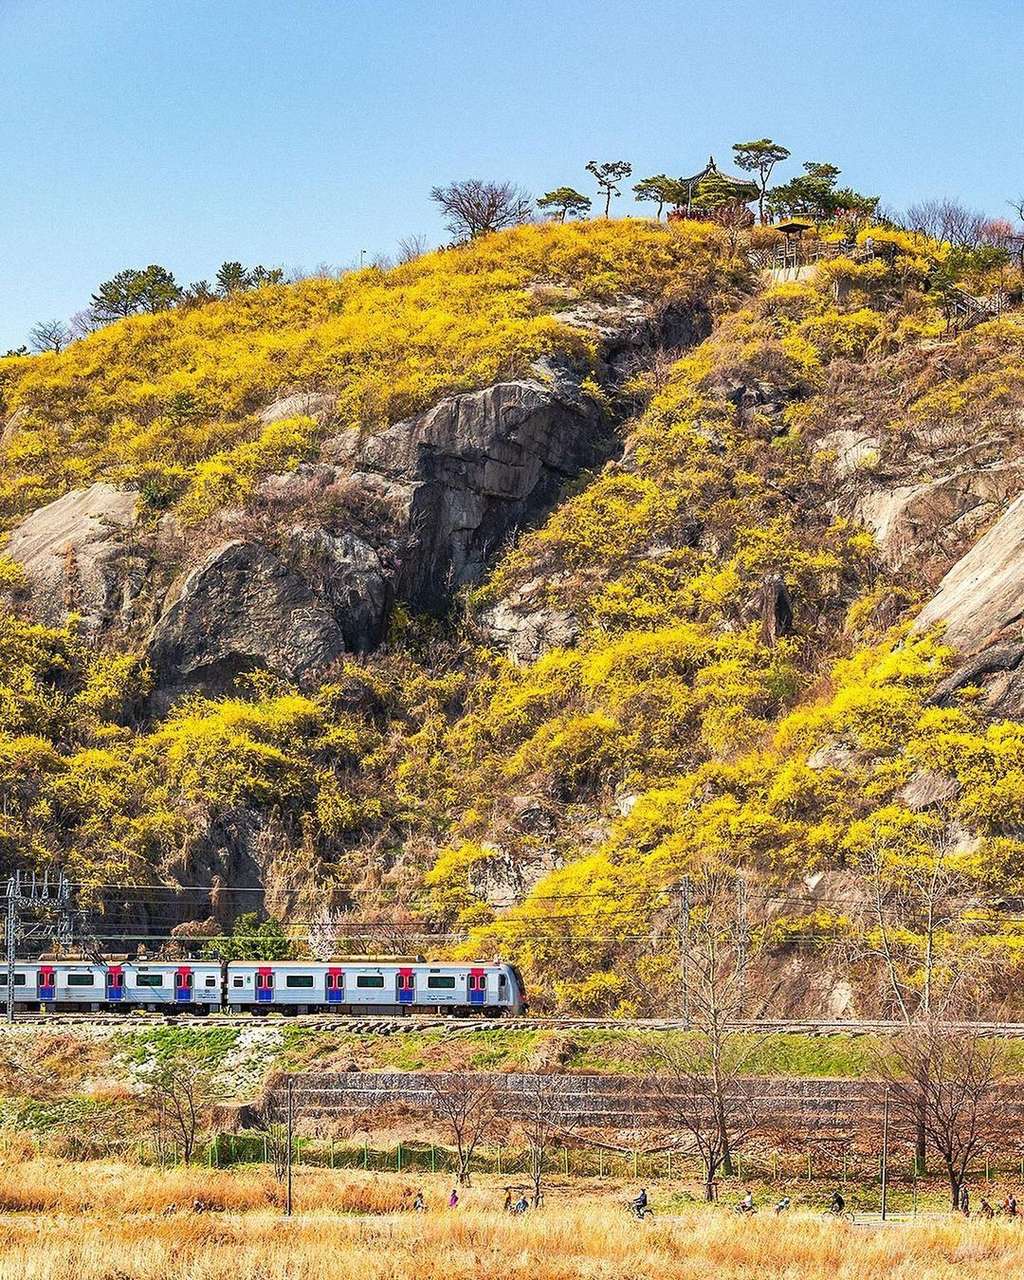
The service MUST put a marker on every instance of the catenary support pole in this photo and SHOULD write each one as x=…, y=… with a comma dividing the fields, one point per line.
x=13, y=889
x=885, y=1156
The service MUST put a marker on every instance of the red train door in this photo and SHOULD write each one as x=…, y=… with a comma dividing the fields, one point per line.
x=406, y=986
x=335, y=986
x=477, y=986
x=115, y=982
x=183, y=980
x=46, y=982
x=264, y=985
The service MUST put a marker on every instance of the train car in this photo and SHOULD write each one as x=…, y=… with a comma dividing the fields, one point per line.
x=193, y=985
x=26, y=984
x=85, y=985
x=371, y=986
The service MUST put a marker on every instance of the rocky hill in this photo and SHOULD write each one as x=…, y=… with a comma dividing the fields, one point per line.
x=496, y=594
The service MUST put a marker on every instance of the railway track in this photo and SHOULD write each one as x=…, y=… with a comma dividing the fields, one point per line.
x=413, y=1023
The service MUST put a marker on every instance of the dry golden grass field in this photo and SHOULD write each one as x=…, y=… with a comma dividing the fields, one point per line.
x=114, y=1222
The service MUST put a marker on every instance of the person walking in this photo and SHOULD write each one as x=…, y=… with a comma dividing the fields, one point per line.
x=965, y=1201
x=453, y=1199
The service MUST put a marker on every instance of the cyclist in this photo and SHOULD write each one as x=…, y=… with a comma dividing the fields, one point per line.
x=783, y=1204
x=418, y=1203
x=837, y=1204
x=638, y=1205
x=520, y=1206
x=1010, y=1206
x=985, y=1209
x=746, y=1205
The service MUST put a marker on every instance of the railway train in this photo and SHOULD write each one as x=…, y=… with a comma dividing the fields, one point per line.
x=354, y=986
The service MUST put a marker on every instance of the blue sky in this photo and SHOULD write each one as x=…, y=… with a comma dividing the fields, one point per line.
x=298, y=132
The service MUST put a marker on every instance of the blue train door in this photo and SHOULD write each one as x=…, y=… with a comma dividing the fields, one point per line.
x=115, y=983
x=406, y=985
x=46, y=982
x=183, y=984
x=264, y=985
x=477, y=986
x=335, y=986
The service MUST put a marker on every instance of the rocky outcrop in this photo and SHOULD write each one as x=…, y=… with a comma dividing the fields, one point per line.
x=935, y=519
x=309, y=569
x=525, y=625
x=470, y=471
x=241, y=608
x=348, y=575
x=78, y=555
x=309, y=404
x=980, y=606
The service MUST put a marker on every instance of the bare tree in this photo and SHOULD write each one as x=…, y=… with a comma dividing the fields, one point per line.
x=475, y=208
x=1018, y=208
x=179, y=1096
x=543, y=1113
x=918, y=921
x=698, y=1089
x=703, y=1105
x=411, y=247
x=956, y=1083
x=948, y=220
x=50, y=335
x=468, y=1103
x=917, y=933
x=83, y=323
x=277, y=1149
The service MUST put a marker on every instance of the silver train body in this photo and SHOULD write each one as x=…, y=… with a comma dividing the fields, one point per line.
x=251, y=986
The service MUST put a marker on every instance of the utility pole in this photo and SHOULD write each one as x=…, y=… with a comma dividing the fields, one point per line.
x=290, y=1126
x=684, y=947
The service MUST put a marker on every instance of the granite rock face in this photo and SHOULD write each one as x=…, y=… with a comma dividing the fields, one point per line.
x=78, y=556
x=241, y=608
x=469, y=472
x=980, y=606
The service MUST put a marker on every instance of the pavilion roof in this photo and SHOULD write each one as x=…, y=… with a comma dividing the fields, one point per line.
x=712, y=170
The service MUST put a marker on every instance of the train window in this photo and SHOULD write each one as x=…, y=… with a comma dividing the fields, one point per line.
x=149, y=980
x=81, y=980
x=440, y=982
x=502, y=982
x=19, y=979
x=370, y=980
x=211, y=981
x=238, y=982
x=299, y=980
